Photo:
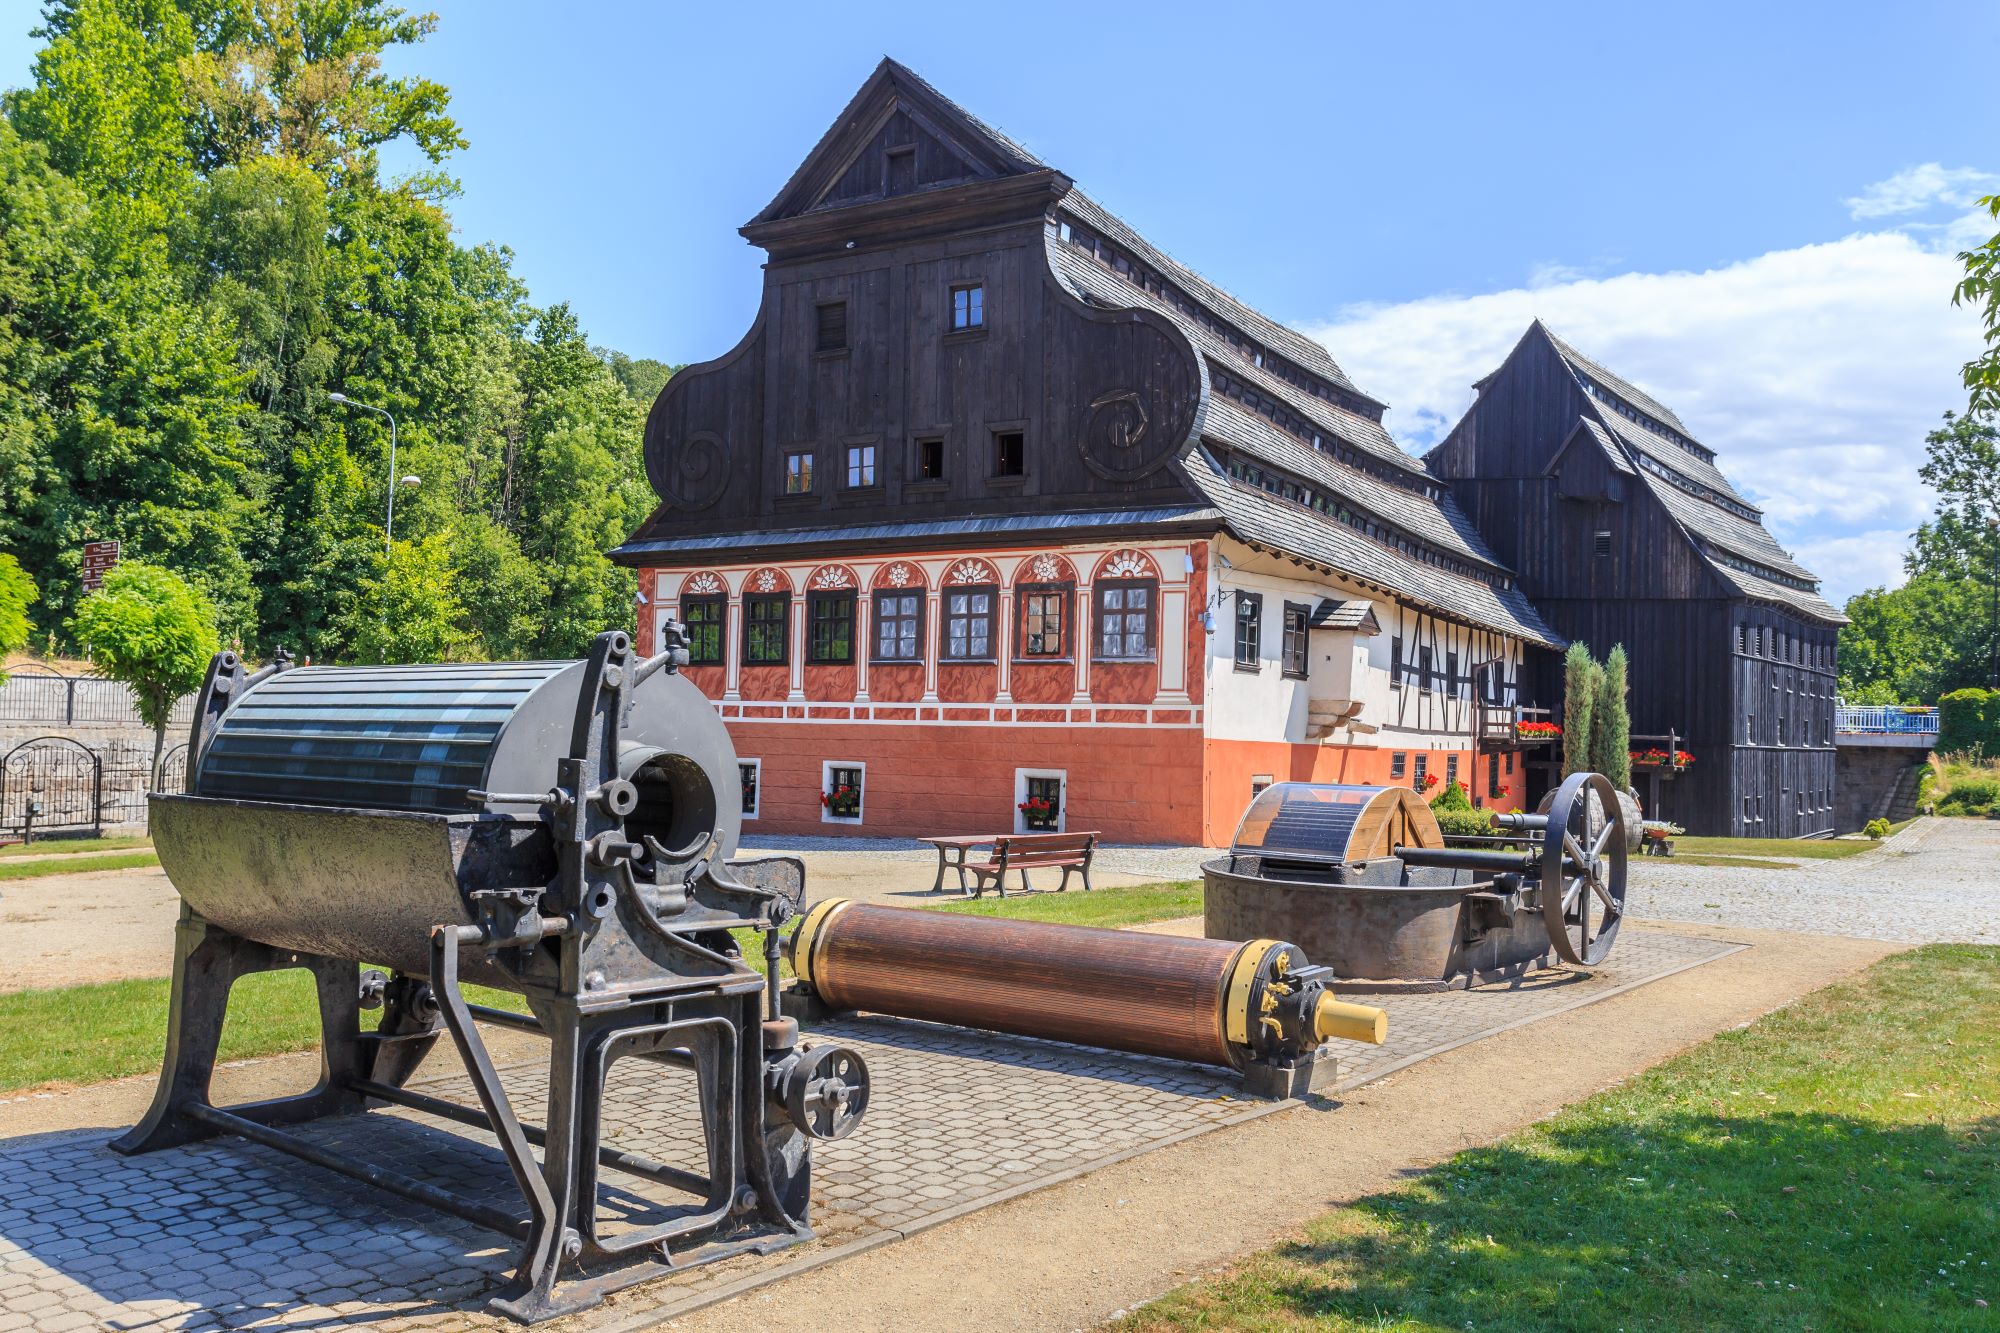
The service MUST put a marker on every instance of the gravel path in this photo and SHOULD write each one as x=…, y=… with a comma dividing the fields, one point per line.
x=1938, y=879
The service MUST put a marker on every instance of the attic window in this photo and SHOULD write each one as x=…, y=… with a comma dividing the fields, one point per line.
x=899, y=170
x=968, y=307
x=1602, y=544
x=832, y=327
x=1009, y=453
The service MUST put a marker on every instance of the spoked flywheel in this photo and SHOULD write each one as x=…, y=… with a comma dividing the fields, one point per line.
x=1583, y=869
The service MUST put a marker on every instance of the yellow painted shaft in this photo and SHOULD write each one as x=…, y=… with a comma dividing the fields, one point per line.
x=1350, y=1022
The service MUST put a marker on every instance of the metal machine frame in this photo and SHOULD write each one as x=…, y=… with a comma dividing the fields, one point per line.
x=597, y=996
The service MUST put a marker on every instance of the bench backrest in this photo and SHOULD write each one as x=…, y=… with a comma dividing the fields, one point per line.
x=1029, y=848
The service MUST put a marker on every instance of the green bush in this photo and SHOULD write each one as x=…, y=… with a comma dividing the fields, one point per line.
x=1453, y=797
x=1877, y=829
x=1969, y=721
x=1580, y=674
x=1467, y=823
x=1971, y=796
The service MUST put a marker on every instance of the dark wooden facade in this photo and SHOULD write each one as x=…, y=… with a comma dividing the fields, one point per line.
x=1622, y=532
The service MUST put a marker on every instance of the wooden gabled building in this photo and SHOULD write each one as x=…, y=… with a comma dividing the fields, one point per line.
x=1623, y=531
x=996, y=502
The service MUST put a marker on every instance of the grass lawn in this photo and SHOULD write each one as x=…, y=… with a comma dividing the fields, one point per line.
x=1702, y=859
x=1830, y=849
x=73, y=846
x=85, y=1034
x=1835, y=1165
x=1102, y=907
x=76, y=865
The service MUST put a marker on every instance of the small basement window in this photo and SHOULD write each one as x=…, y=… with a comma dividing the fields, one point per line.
x=930, y=458
x=751, y=771
x=1009, y=453
x=832, y=327
x=841, y=791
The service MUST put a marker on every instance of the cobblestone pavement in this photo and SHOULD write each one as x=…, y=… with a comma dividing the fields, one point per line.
x=227, y=1235
x=1938, y=879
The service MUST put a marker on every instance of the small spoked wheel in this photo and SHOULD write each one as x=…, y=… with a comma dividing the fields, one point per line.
x=828, y=1091
x=1583, y=869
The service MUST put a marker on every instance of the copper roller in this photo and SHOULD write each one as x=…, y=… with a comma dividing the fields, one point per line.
x=1210, y=1002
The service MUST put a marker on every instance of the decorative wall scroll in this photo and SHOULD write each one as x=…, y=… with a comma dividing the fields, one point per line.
x=1117, y=438
x=971, y=571
x=900, y=574
x=704, y=584
x=768, y=580
x=690, y=473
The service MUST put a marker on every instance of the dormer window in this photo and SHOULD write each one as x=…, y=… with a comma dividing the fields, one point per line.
x=968, y=307
x=832, y=328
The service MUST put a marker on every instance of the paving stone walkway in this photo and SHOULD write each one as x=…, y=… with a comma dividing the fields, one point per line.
x=1937, y=880
x=225, y=1235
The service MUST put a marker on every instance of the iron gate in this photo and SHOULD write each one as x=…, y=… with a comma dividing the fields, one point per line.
x=51, y=783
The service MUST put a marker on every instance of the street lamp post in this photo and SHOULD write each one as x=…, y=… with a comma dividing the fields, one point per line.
x=389, y=521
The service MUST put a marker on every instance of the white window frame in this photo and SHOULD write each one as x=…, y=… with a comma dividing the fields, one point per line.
x=826, y=767
x=756, y=810
x=1021, y=776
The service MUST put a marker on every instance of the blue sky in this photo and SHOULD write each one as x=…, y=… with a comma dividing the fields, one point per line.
x=1748, y=209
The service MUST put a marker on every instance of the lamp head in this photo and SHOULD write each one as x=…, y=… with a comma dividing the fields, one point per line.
x=338, y=397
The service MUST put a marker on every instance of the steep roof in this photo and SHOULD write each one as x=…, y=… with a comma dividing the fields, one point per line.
x=1262, y=519
x=1375, y=479
x=1680, y=472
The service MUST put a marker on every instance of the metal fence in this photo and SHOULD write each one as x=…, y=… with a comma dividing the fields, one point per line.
x=35, y=693
x=1886, y=718
x=57, y=784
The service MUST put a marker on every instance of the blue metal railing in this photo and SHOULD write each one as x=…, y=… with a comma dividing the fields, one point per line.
x=1886, y=718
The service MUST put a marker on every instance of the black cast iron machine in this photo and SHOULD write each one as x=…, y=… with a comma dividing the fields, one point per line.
x=559, y=830
x=1363, y=879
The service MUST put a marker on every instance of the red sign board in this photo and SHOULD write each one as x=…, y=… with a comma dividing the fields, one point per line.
x=99, y=559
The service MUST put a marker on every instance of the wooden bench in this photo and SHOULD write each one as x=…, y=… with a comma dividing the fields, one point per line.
x=1034, y=851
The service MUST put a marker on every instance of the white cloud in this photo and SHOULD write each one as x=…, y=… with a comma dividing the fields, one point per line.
x=1815, y=372
x=1867, y=559
x=1915, y=189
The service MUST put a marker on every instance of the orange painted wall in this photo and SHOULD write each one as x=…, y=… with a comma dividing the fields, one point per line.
x=1131, y=784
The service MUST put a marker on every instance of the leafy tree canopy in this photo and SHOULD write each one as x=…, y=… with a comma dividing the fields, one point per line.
x=196, y=249
x=17, y=591
x=151, y=630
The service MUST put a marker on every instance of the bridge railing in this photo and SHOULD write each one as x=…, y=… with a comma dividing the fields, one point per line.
x=1886, y=718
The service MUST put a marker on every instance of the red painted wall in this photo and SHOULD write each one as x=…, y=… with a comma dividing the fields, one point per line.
x=1131, y=784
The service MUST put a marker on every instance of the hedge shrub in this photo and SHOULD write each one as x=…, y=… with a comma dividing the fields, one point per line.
x=1969, y=723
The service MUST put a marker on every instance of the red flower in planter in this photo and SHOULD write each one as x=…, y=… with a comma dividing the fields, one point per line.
x=1430, y=780
x=1538, y=729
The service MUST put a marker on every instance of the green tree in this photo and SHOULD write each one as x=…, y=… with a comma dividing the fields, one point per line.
x=17, y=592
x=1980, y=287
x=151, y=630
x=1912, y=644
x=1579, y=704
x=641, y=377
x=411, y=611
x=1962, y=464
x=1611, y=721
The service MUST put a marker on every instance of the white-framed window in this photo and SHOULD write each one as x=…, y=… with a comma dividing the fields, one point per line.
x=1043, y=786
x=752, y=773
x=842, y=787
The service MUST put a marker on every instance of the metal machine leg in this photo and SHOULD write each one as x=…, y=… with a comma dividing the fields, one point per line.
x=208, y=961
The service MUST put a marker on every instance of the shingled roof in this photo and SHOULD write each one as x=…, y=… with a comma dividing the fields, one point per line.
x=1425, y=550
x=1725, y=527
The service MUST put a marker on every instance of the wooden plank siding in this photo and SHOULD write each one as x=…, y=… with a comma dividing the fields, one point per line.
x=1646, y=585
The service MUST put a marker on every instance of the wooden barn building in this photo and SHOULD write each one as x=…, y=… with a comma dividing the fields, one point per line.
x=1623, y=530
x=996, y=503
